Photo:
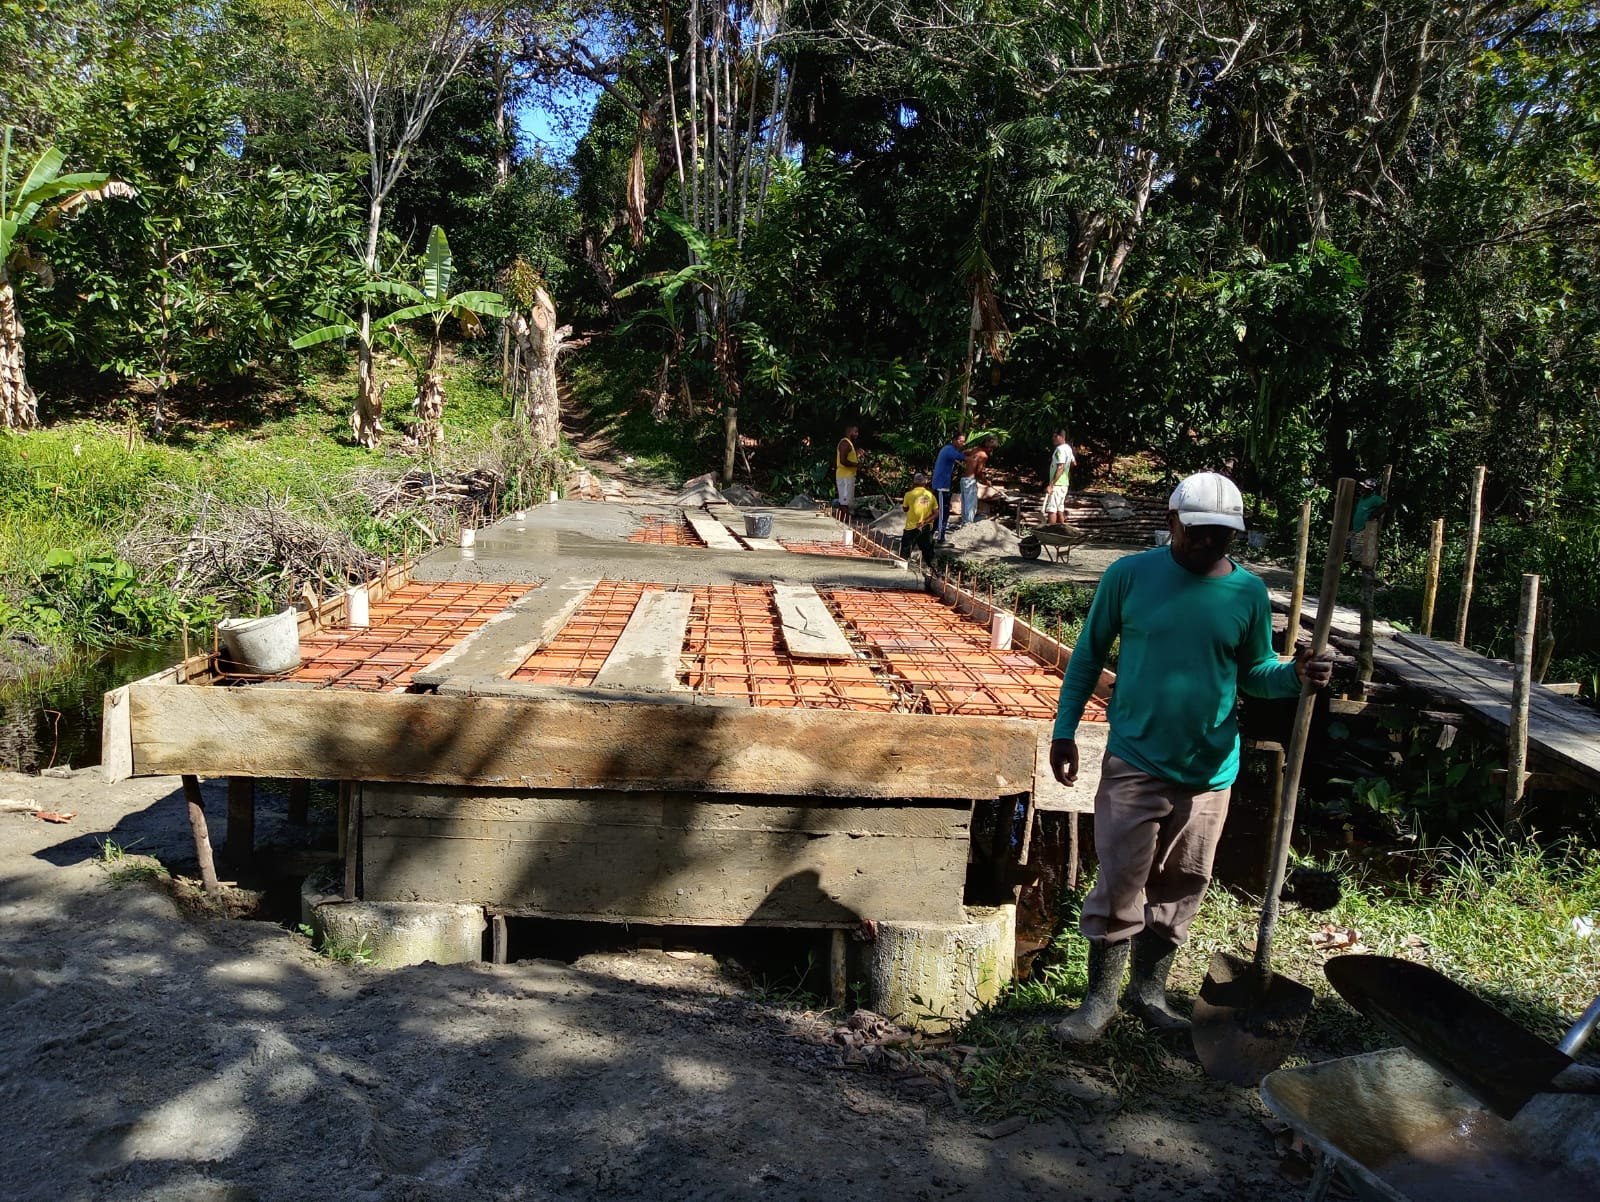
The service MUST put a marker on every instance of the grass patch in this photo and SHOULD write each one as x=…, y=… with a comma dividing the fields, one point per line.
x=73, y=493
x=337, y=949
x=125, y=868
x=1495, y=915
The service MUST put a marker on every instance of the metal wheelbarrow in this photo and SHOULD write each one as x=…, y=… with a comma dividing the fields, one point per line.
x=1397, y=1130
x=1057, y=537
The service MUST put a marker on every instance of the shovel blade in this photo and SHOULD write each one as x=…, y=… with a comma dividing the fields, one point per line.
x=1246, y=1022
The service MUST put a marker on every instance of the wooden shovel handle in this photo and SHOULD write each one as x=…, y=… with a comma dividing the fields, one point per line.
x=1344, y=502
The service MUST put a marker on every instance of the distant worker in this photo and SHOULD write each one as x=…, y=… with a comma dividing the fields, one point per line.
x=944, y=469
x=975, y=471
x=1055, y=493
x=845, y=461
x=922, y=509
x=1196, y=631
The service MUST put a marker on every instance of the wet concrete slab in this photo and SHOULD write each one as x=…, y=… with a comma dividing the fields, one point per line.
x=588, y=540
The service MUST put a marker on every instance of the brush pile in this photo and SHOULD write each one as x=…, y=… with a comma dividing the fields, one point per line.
x=261, y=550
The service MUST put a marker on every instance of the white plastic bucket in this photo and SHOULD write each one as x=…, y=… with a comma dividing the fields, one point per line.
x=356, y=610
x=469, y=536
x=262, y=646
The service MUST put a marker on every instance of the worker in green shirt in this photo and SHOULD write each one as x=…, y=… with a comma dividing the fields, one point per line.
x=1196, y=631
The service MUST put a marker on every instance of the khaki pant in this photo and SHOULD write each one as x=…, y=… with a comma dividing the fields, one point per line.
x=1155, y=841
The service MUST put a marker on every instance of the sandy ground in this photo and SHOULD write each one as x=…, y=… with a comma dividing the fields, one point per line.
x=150, y=1053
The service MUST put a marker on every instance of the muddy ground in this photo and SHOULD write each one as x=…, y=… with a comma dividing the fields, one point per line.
x=150, y=1052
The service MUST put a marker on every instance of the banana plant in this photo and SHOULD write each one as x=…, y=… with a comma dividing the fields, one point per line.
x=432, y=302
x=41, y=198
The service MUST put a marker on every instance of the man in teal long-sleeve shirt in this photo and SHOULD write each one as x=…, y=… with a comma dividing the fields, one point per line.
x=1196, y=631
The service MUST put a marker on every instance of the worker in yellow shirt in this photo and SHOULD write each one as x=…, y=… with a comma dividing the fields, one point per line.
x=846, y=459
x=922, y=510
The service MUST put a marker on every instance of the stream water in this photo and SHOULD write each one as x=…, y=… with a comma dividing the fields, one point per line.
x=52, y=719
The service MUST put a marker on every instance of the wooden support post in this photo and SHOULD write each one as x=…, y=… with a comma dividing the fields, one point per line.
x=202, y=837
x=1291, y=632
x=300, y=802
x=241, y=841
x=1369, y=580
x=1521, y=687
x=497, y=925
x=838, y=975
x=730, y=441
x=352, y=837
x=1430, y=579
x=1474, y=525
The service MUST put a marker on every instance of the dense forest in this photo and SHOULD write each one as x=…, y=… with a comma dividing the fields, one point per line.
x=1291, y=241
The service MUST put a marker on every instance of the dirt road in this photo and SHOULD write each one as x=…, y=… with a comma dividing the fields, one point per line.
x=146, y=1053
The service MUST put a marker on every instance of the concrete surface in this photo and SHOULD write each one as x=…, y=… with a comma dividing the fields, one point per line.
x=934, y=974
x=398, y=934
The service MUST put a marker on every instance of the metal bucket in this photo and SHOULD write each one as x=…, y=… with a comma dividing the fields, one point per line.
x=262, y=646
x=758, y=525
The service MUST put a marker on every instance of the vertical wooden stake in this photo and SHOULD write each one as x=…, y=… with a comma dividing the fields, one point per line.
x=1297, y=598
x=1521, y=686
x=1430, y=579
x=1474, y=524
x=838, y=976
x=202, y=837
x=352, y=837
x=1369, y=580
x=497, y=923
x=300, y=802
x=241, y=840
x=1547, y=640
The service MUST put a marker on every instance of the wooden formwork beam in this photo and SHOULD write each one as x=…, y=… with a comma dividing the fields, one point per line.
x=453, y=739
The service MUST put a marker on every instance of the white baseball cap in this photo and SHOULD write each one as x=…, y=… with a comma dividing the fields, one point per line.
x=1207, y=499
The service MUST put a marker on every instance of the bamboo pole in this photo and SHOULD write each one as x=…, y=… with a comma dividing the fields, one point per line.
x=1430, y=580
x=1521, y=687
x=1297, y=598
x=1474, y=526
x=1369, y=581
x=202, y=837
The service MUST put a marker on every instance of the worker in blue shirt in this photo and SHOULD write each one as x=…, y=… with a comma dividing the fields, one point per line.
x=944, y=468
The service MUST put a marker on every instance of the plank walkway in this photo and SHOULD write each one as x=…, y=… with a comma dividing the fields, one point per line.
x=1562, y=733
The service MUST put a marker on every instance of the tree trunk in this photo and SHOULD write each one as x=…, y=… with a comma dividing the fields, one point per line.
x=539, y=343
x=430, y=401
x=19, y=407
x=366, y=422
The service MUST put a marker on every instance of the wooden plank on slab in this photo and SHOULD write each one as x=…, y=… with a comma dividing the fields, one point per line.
x=741, y=861
x=1050, y=796
x=504, y=642
x=649, y=651
x=764, y=544
x=809, y=630
x=712, y=532
x=452, y=739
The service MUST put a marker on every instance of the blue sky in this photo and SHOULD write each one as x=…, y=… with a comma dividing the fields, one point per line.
x=556, y=123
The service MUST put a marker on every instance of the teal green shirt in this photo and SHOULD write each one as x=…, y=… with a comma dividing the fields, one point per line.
x=1190, y=645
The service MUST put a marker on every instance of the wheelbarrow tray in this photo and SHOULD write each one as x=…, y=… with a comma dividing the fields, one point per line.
x=1398, y=1131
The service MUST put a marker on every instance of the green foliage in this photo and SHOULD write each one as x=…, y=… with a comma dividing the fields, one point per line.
x=100, y=599
x=339, y=950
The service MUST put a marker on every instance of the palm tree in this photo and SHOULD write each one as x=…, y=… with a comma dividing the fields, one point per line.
x=41, y=199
